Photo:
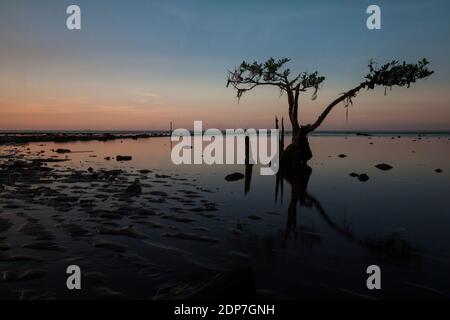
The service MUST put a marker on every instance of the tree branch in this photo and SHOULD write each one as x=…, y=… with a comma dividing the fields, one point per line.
x=347, y=95
x=388, y=75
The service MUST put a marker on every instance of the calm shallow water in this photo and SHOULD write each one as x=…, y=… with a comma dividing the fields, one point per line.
x=311, y=238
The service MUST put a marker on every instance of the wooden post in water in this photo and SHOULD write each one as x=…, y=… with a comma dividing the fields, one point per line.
x=247, y=150
x=248, y=166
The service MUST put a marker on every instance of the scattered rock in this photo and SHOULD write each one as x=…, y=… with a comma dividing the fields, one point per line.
x=383, y=166
x=162, y=176
x=63, y=150
x=254, y=217
x=438, y=170
x=342, y=155
x=234, y=176
x=135, y=187
x=123, y=158
x=363, y=177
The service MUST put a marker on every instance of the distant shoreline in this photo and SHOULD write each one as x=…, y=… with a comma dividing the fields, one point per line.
x=11, y=137
x=26, y=137
x=167, y=132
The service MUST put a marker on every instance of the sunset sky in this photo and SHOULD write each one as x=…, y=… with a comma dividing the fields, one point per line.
x=137, y=65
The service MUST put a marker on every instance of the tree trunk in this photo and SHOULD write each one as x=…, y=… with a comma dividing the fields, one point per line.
x=298, y=152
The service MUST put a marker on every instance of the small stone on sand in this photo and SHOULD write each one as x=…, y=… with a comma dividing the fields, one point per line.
x=383, y=166
x=234, y=176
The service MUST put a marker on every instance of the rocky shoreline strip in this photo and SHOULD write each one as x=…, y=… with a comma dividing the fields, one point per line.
x=12, y=138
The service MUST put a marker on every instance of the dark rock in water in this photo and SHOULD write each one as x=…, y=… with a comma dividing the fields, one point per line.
x=63, y=150
x=15, y=275
x=254, y=217
x=354, y=175
x=107, y=158
x=363, y=177
x=234, y=176
x=162, y=176
x=135, y=187
x=438, y=170
x=342, y=155
x=383, y=166
x=124, y=158
x=90, y=169
x=45, y=160
x=234, y=284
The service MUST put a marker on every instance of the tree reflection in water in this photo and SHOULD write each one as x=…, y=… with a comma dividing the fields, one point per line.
x=393, y=247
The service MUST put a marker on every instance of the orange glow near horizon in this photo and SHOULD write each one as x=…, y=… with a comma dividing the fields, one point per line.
x=38, y=108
